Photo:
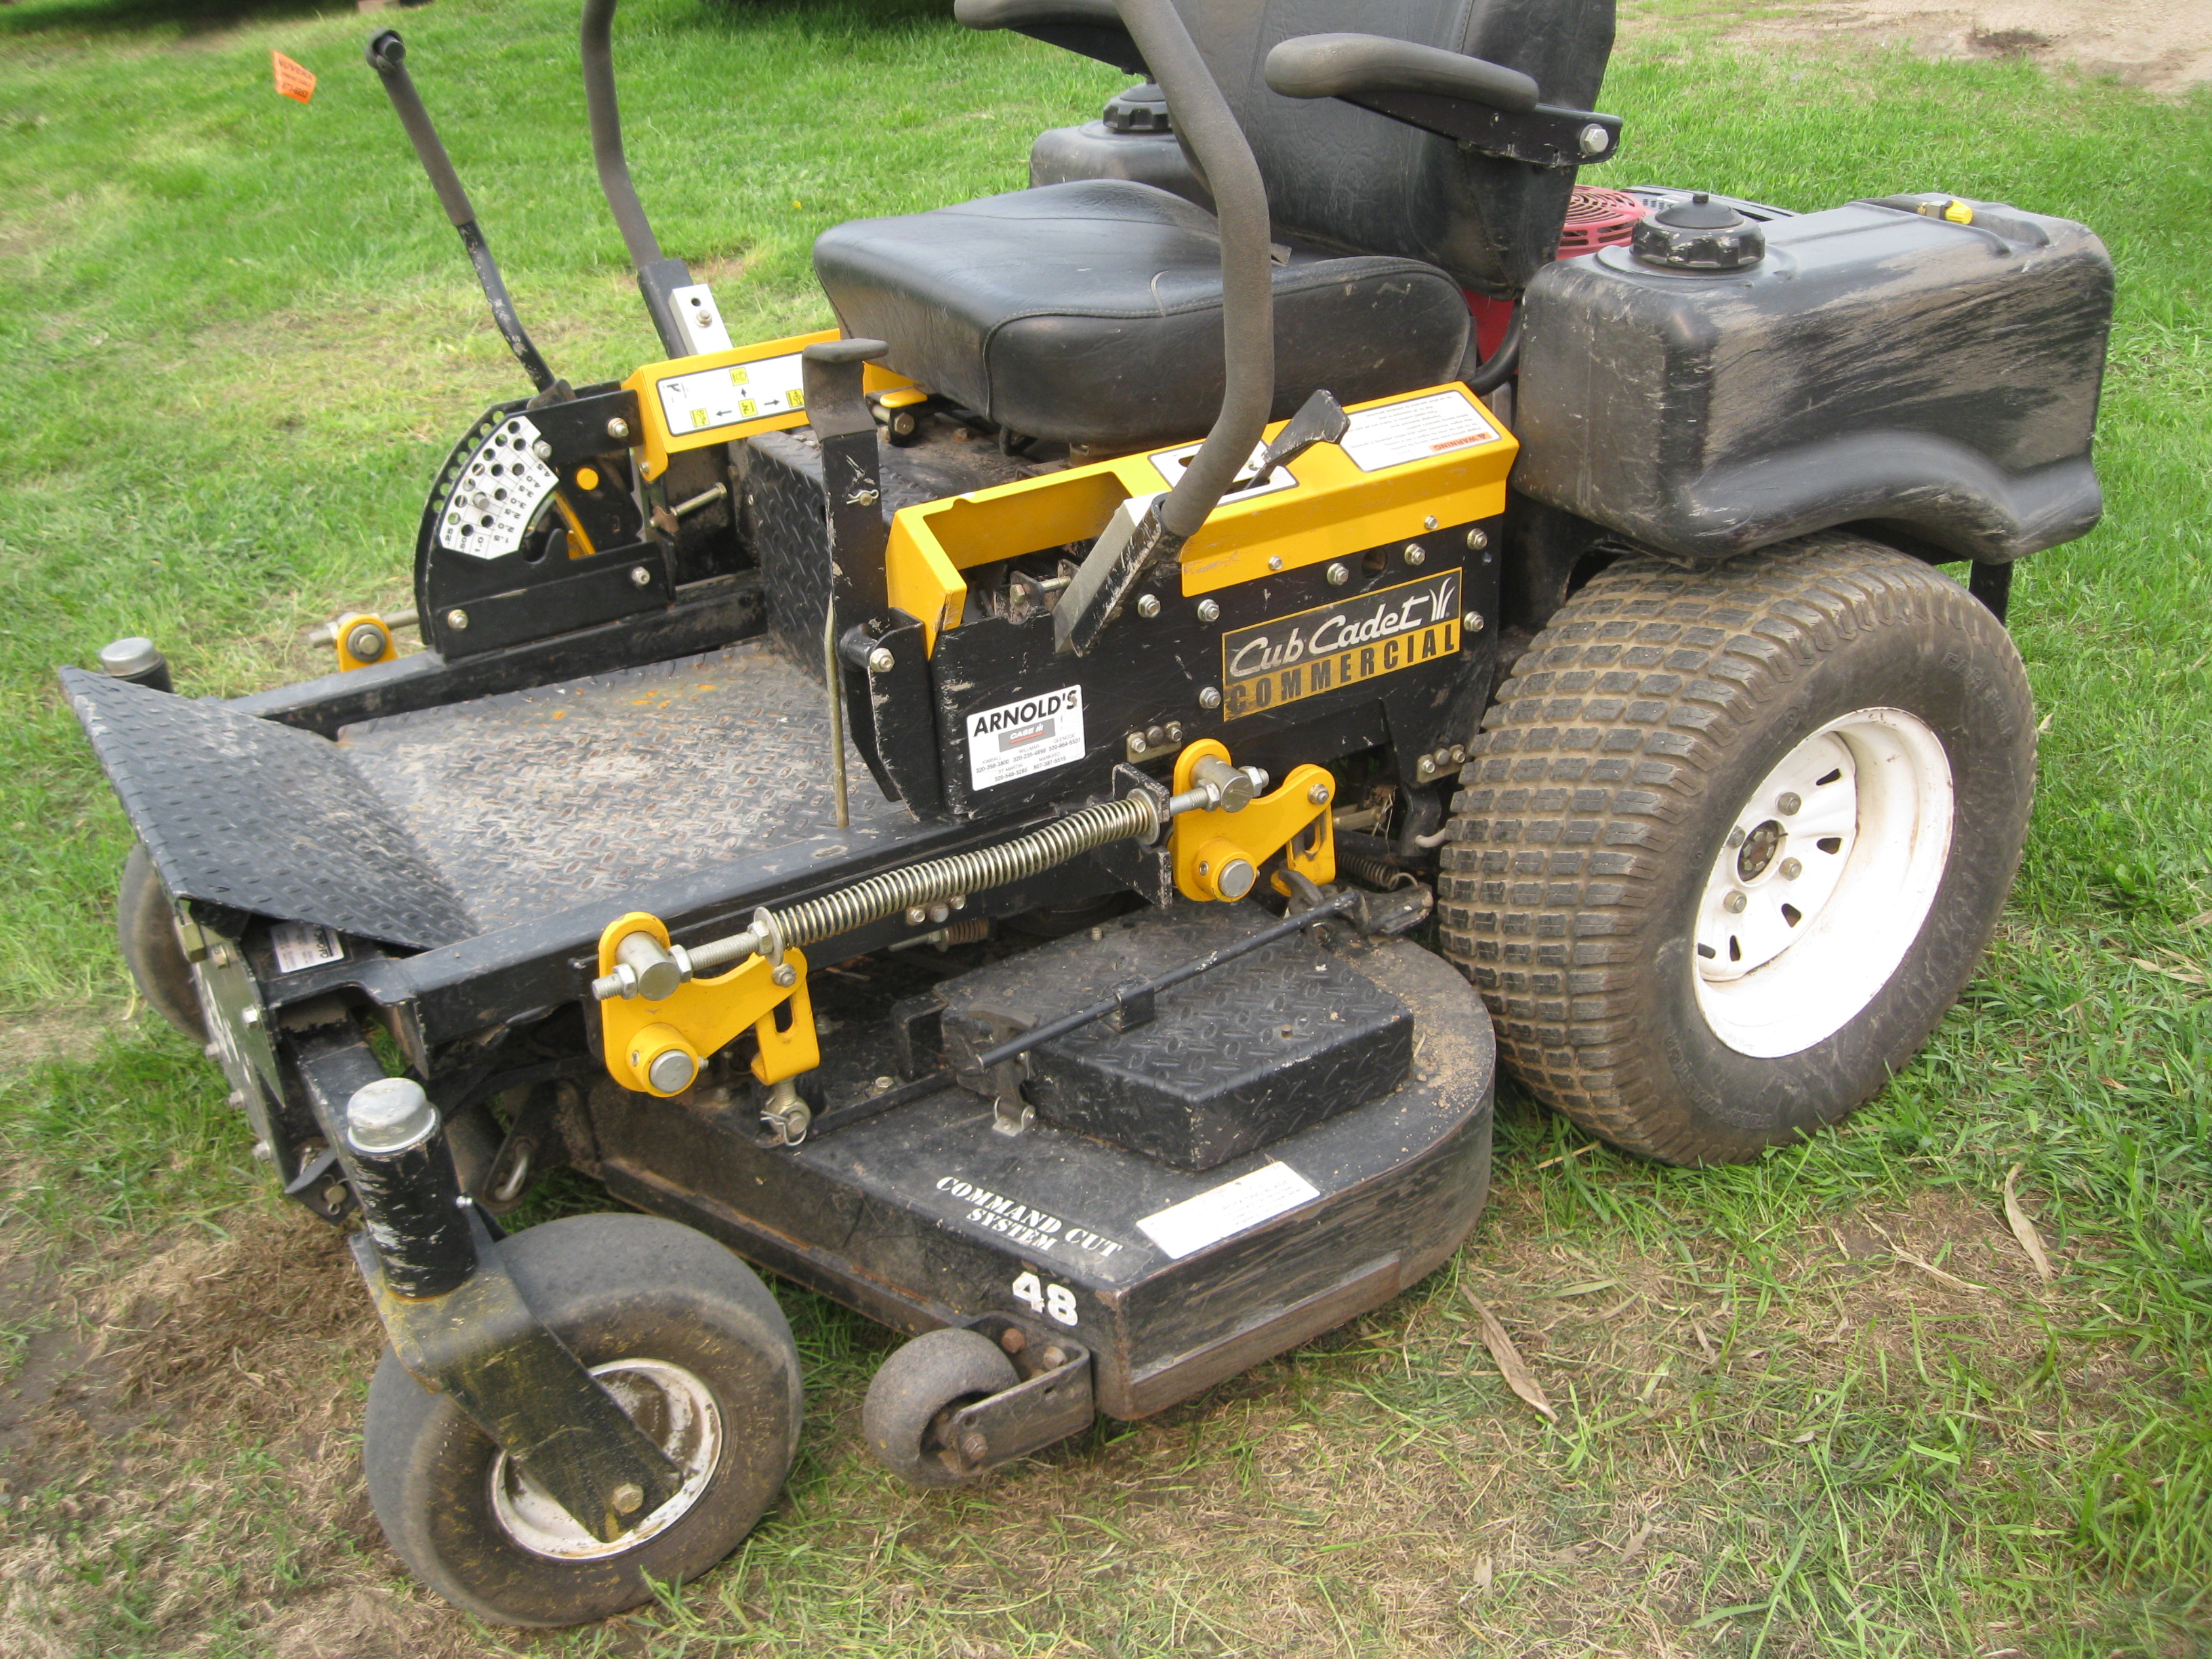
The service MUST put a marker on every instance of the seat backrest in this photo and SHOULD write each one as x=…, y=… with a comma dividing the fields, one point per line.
x=1343, y=177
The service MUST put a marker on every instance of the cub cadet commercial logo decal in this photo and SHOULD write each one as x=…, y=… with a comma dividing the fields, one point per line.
x=1333, y=646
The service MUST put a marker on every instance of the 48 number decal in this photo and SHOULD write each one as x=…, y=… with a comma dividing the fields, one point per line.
x=1056, y=1301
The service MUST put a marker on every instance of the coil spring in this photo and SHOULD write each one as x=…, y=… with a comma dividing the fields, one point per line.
x=1134, y=818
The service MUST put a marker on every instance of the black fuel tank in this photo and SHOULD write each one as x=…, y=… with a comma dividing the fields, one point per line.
x=1881, y=362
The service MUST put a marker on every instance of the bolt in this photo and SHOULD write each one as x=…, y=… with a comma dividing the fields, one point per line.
x=1791, y=869
x=1429, y=523
x=1209, y=698
x=704, y=319
x=916, y=916
x=1173, y=733
x=639, y=576
x=1427, y=766
x=1274, y=561
x=264, y=1152
x=627, y=1498
x=618, y=428
x=973, y=1447
x=1318, y=794
x=1338, y=575
x=542, y=450
x=880, y=660
x=671, y=1071
x=1136, y=742
x=1053, y=1357
x=457, y=620
x=366, y=642
x=1478, y=539
x=882, y=1084
x=1148, y=606
x=1734, y=903
x=250, y=1016
x=940, y=914
x=1594, y=138
x=785, y=974
x=1012, y=1340
x=1788, y=804
x=1735, y=837
x=1458, y=751
x=1155, y=736
x=1416, y=554
x=1208, y=611
x=1472, y=622
x=959, y=901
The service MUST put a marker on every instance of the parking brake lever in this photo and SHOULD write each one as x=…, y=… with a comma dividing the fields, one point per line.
x=1319, y=420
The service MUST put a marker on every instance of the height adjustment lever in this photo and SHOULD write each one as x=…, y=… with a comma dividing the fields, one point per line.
x=388, y=56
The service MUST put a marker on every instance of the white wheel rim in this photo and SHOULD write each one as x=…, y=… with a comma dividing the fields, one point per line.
x=675, y=1408
x=1808, y=911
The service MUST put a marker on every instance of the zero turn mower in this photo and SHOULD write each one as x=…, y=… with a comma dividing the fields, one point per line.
x=992, y=811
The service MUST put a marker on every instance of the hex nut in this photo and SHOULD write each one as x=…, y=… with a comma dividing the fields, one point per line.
x=1788, y=804
x=1318, y=794
x=1148, y=606
x=973, y=1447
x=1478, y=539
x=1426, y=766
x=542, y=450
x=785, y=974
x=639, y=576
x=880, y=660
x=618, y=428
x=1429, y=523
x=1593, y=139
x=1734, y=902
x=916, y=914
x=1208, y=611
x=1274, y=561
x=1417, y=555
x=457, y=620
x=627, y=1498
x=1472, y=622
x=1136, y=742
x=1210, y=698
x=1338, y=575
x=366, y=642
x=1791, y=869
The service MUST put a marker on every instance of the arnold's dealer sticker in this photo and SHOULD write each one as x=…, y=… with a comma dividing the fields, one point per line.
x=301, y=944
x=1018, y=739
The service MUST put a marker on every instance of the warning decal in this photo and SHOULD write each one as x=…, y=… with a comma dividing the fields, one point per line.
x=1418, y=429
x=301, y=944
x=1184, y=1229
x=1033, y=735
x=1333, y=646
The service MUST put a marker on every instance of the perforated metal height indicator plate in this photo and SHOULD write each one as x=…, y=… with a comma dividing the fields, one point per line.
x=502, y=487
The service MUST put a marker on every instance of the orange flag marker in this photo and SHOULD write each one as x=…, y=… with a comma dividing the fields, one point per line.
x=293, y=80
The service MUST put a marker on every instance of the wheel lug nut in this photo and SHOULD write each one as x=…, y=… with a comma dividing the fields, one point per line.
x=1791, y=869
x=629, y=1497
x=1734, y=903
x=1788, y=804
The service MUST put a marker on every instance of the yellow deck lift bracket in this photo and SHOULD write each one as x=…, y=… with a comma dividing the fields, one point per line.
x=656, y=1046
x=1218, y=852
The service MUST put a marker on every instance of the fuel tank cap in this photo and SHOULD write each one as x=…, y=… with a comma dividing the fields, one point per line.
x=1699, y=234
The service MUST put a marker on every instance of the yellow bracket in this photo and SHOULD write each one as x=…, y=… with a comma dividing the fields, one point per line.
x=703, y=1015
x=1208, y=846
x=347, y=625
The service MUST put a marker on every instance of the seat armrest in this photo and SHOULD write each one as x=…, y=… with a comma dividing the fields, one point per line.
x=1090, y=28
x=1366, y=65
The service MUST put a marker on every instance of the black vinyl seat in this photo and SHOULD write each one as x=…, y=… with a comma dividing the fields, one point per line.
x=1090, y=312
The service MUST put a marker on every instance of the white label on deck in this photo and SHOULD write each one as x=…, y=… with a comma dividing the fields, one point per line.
x=1418, y=430
x=304, y=944
x=1191, y=1225
x=1018, y=738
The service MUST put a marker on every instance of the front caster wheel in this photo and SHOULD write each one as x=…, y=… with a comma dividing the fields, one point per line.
x=914, y=1394
x=692, y=1343
x=1732, y=840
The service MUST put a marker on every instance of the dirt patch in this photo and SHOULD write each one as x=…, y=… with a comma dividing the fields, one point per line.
x=2156, y=44
x=27, y=1040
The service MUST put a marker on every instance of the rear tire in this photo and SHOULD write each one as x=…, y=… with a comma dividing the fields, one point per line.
x=1667, y=961
x=146, y=928
x=678, y=1328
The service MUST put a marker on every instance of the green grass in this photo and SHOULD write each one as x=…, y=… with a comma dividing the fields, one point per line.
x=235, y=336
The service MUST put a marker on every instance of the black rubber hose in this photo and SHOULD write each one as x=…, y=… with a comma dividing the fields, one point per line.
x=1207, y=125
x=1499, y=366
x=606, y=113
x=388, y=56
